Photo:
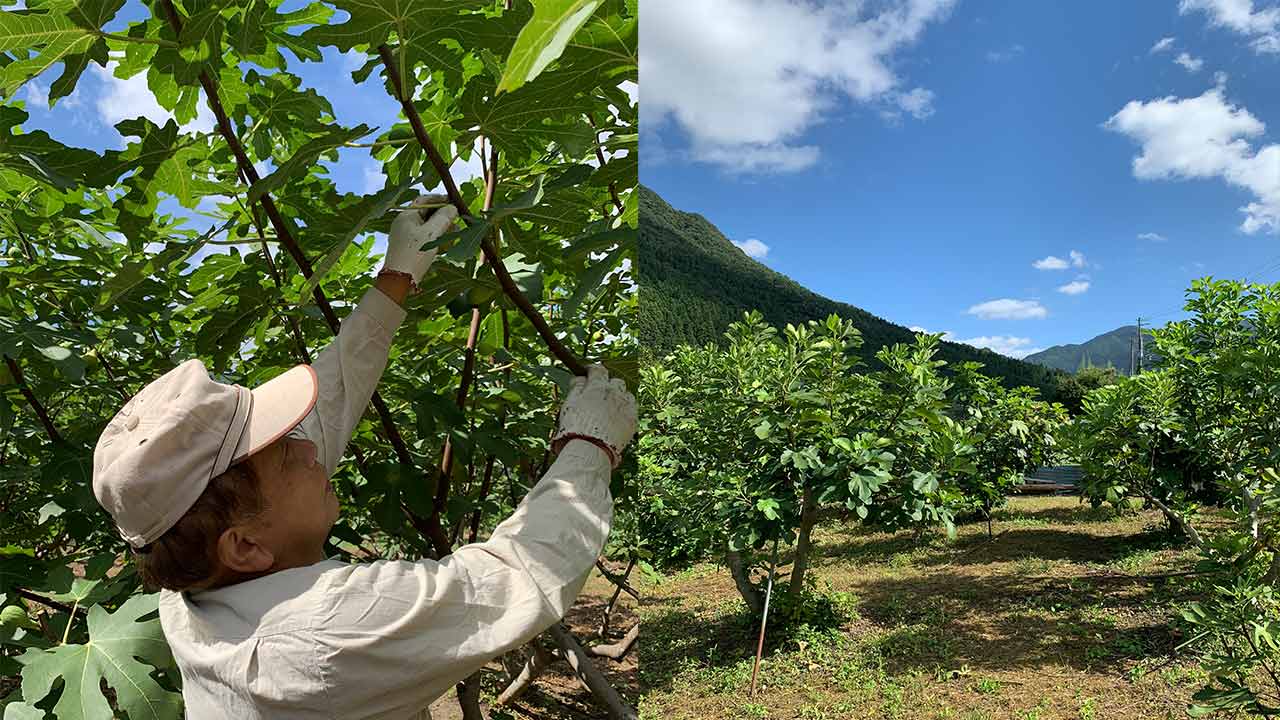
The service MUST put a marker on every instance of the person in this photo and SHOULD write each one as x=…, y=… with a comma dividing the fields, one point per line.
x=224, y=494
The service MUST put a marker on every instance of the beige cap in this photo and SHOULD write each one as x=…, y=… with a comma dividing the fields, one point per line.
x=158, y=453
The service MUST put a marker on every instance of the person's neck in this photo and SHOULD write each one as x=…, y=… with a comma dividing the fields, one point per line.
x=226, y=577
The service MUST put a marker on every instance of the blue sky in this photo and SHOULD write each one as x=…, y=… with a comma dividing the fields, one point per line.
x=87, y=117
x=1019, y=174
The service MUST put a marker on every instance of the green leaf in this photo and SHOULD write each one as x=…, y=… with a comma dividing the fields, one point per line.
x=590, y=280
x=378, y=206
x=305, y=158
x=133, y=272
x=40, y=157
x=22, y=711
x=466, y=241
x=20, y=32
x=526, y=276
x=769, y=507
x=49, y=510
x=490, y=339
x=67, y=362
x=117, y=642
x=528, y=199
x=428, y=32
x=543, y=39
x=764, y=430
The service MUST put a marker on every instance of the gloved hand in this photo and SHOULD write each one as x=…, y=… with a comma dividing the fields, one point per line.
x=409, y=232
x=600, y=411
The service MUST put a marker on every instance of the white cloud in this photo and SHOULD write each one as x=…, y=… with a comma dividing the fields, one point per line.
x=353, y=60
x=1015, y=347
x=1155, y=237
x=759, y=158
x=1162, y=45
x=125, y=99
x=374, y=180
x=918, y=102
x=1050, y=263
x=209, y=203
x=37, y=95
x=1191, y=64
x=1077, y=259
x=753, y=248
x=999, y=56
x=1009, y=309
x=1075, y=287
x=1220, y=78
x=1262, y=27
x=631, y=89
x=748, y=77
x=1201, y=138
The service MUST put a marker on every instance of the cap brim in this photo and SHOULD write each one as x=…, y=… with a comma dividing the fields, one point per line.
x=279, y=405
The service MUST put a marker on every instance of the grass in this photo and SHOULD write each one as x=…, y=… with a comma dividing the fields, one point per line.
x=1040, y=622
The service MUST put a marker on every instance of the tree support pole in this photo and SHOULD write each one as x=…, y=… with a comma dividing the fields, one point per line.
x=590, y=675
x=608, y=609
x=764, y=618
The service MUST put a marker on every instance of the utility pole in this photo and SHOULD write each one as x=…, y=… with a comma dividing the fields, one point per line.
x=1139, y=343
x=1131, y=361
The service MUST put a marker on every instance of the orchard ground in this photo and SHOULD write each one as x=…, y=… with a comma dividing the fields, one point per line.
x=557, y=694
x=1064, y=614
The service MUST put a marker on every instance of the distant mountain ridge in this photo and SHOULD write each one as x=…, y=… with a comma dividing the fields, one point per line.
x=1110, y=349
x=694, y=282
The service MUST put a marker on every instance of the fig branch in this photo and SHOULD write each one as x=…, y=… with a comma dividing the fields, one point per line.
x=494, y=260
x=33, y=401
x=282, y=230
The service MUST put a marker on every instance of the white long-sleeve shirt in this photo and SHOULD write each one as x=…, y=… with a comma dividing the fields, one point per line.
x=384, y=639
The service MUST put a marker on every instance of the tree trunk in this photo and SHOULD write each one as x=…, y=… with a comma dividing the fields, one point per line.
x=742, y=579
x=469, y=698
x=1253, y=503
x=1273, y=572
x=1176, y=520
x=608, y=609
x=808, y=517
x=537, y=663
x=590, y=676
x=618, y=650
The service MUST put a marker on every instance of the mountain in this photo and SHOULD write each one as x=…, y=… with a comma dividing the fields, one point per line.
x=694, y=282
x=1112, y=349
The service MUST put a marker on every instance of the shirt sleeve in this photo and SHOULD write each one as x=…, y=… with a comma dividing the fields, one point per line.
x=348, y=370
x=396, y=634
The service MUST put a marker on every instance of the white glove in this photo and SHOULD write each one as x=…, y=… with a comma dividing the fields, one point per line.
x=600, y=411
x=409, y=232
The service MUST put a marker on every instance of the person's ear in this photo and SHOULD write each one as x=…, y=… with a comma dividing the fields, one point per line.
x=240, y=551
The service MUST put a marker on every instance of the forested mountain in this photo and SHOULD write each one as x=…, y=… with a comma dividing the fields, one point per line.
x=694, y=282
x=1111, y=349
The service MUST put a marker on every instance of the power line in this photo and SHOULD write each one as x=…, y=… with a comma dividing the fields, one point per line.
x=1270, y=267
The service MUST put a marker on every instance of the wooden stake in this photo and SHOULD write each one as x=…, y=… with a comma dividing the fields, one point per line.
x=764, y=619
